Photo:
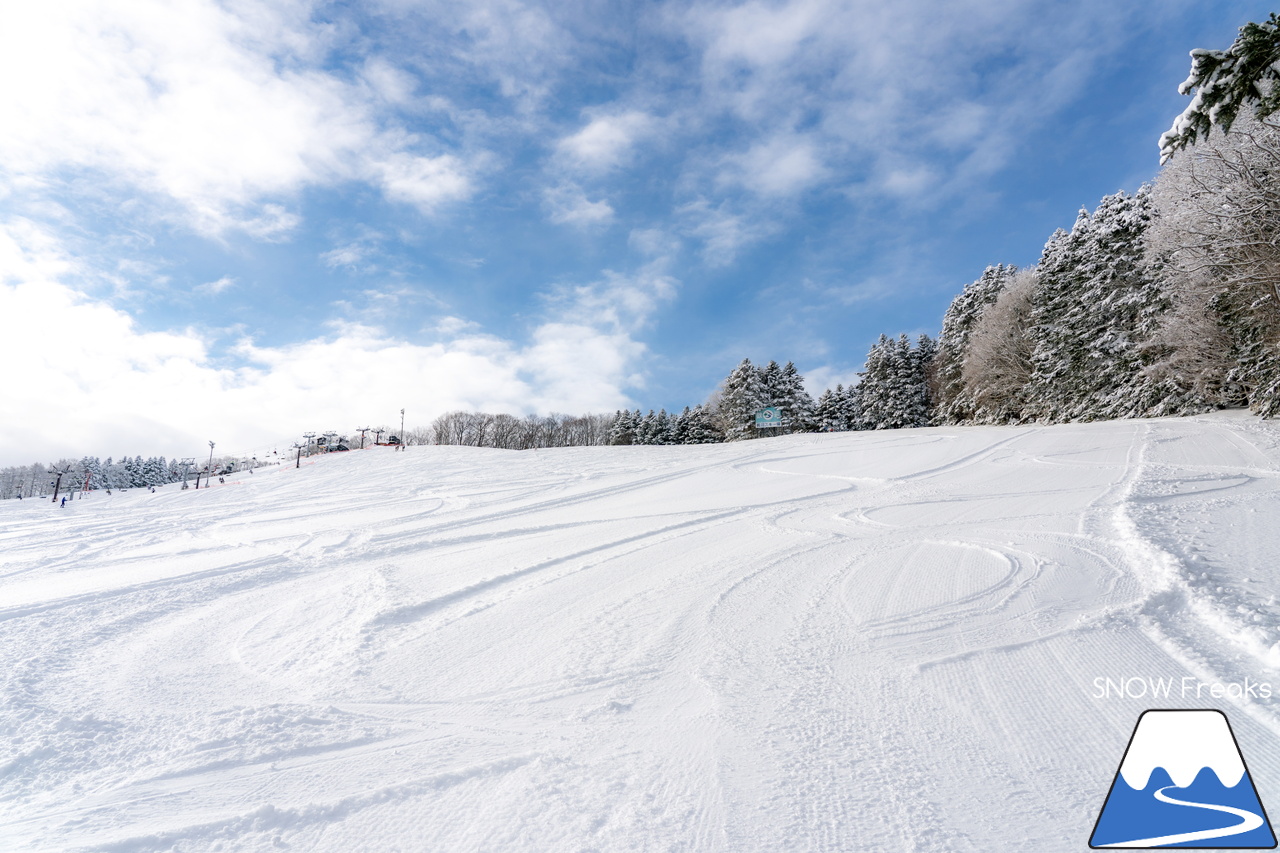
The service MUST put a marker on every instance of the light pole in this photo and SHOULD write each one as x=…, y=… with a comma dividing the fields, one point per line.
x=401, y=447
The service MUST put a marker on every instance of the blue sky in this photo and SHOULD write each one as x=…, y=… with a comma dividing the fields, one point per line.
x=240, y=221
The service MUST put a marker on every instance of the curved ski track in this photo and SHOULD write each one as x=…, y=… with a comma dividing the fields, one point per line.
x=877, y=641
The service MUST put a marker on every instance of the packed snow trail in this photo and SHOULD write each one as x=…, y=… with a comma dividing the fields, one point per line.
x=864, y=641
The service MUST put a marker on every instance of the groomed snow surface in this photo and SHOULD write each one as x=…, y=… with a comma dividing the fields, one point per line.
x=865, y=642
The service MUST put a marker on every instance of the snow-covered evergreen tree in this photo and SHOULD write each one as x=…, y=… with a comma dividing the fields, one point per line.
x=741, y=396
x=663, y=428
x=825, y=414
x=836, y=410
x=1094, y=308
x=647, y=429
x=894, y=389
x=789, y=396
x=953, y=405
x=770, y=383
x=918, y=394
x=875, y=386
x=623, y=428
x=700, y=427
x=1247, y=74
x=153, y=471
x=679, y=433
x=92, y=468
x=850, y=405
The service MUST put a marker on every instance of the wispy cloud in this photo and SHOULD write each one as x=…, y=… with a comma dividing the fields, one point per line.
x=896, y=100
x=213, y=288
x=349, y=255
x=722, y=232
x=781, y=166
x=109, y=384
x=567, y=204
x=502, y=150
x=605, y=142
x=219, y=114
x=425, y=182
x=617, y=301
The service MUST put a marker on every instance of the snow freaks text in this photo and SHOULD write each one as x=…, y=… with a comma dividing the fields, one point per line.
x=1186, y=687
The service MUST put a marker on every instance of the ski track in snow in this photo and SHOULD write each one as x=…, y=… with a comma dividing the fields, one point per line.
x=871, y=641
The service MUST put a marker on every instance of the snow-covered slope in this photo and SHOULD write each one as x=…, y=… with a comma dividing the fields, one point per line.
x=877, y=641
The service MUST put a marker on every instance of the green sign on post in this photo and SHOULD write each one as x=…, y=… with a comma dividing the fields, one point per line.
x=769, y=418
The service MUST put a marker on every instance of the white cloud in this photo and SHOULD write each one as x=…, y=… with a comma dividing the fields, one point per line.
x=654, y=242
x=781, y=166
x=388, y=83
x=606, y=141
x=913, y=181
x=758, y=34
x=623, y=303
x=425, y=182
x=344, y=256
x=576, y=366
x=450, y=326
x=819, y=379
x=567, y=204
x=379, y=304
x=213, y=288
x=91, y=381
x=515, y=43
x=905, y=100
x=723, y=233
x=219, y=113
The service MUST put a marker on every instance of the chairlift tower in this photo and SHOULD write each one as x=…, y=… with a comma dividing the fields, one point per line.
x=58, y=483
x=208, y=471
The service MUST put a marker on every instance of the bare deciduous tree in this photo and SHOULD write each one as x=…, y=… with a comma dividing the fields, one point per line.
x=1217, y=239
x=999, y=364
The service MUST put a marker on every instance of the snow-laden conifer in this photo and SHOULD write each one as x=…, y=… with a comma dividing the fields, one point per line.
x=1095, y=308
x=1247, y=74
x=893, y=391
x=741, y=396
x=790, y=396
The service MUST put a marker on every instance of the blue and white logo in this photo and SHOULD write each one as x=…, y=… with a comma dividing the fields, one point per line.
x=1183, y=783
x=769, y=417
